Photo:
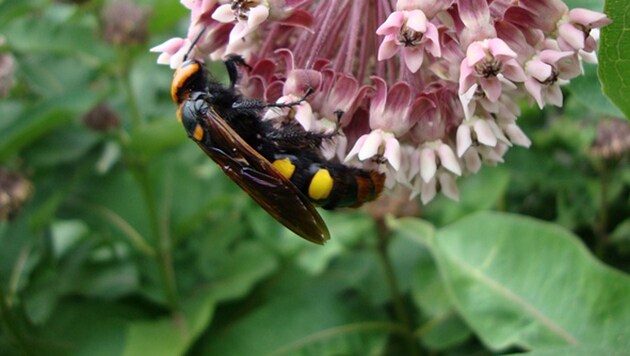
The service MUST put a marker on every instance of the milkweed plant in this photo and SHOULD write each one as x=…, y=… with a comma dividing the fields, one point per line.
x=429, y=91
x=118, y=235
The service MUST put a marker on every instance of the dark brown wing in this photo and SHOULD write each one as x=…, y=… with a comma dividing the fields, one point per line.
x=255, y=175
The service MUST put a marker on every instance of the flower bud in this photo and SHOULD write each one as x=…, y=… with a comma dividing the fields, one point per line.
x=124, y=23
x=15, y=190
x=101, y=118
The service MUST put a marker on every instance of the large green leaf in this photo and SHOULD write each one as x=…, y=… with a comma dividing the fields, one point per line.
x=307, y=319
x=173, y=336
x=43, y=118
x=520, y=282
x=614, y=50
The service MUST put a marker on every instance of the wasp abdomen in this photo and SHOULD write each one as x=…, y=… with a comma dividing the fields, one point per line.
x=330, y=185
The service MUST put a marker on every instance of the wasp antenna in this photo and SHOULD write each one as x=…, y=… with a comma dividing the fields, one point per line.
x=194, y=42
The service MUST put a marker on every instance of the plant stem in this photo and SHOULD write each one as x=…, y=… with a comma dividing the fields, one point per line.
x=125, y=79
x=7, y=316
x=139, y=170
x=601, y=225
x=162, y=239
x=402, y=314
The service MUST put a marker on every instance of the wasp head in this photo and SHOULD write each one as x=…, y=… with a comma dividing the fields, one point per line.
x=190, y=77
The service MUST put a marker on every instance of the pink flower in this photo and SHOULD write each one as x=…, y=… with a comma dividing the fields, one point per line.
x=199, y=8
x=485, y=61
x=410, y=33
x=172, y=51
x=577, y=33
x=389, y=118
x=247, y=14
x=543, y=77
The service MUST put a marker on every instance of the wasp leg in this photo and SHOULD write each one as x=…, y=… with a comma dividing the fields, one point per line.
x=293, y=137
x=257, y=104
x=231, y=64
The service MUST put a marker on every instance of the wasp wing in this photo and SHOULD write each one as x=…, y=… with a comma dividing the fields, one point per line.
x=256, y=176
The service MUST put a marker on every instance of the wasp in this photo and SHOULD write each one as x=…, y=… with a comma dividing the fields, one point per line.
x=279, y=167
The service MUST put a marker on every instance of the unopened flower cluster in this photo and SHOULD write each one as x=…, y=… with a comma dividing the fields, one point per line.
x=425, y=91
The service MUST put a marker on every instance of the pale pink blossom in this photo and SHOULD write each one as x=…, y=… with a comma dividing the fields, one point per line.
x=577, y=33
x=543, y=77
x=172, y=52
x=485, y=61
x=410, y=33
x=248, y=15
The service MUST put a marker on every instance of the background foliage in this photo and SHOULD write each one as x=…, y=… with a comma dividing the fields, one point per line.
x=134, y=243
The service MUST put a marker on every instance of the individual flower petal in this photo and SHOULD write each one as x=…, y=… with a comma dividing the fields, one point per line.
x=429, y=190
x=304, y=115
x=448, y=186
x=417, y=21
x=392, y=24
x=464, y=141
x=413, y=58
x=371, y=145
x=517, y=136
x=428, y=166
x=588, y=18
x=448, y=159
x=257, y=15
x=472, y=161
x=571, y=35
x=224, y=14
x=484, y=133
x=392, y=152
x=356, y=148
x=539, y=70
x=491, y=87
x=388, y=48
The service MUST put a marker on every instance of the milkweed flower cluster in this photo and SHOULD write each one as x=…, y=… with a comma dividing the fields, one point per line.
x=423, y=90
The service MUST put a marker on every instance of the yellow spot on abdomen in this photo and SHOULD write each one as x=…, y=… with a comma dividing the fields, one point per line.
x=285, y=167
x=321, y=185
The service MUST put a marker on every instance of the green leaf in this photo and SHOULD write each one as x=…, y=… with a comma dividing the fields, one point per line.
x=614, y=53
x=583, y=350
x=174, y=335
x=417, y=230
x=444, y=332
x=443, y=328
x=42, y=119
x=346, y=229
x=620, y=236
x=170, y=335
x=520, y=282
x=588, y=91
x=43, y=35
x=595, y=5
x=61, y=146
x=81, y=327
x=303, y=322
x=157, y=136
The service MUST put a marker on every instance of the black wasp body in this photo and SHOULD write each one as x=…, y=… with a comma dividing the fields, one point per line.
x=280, y=167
